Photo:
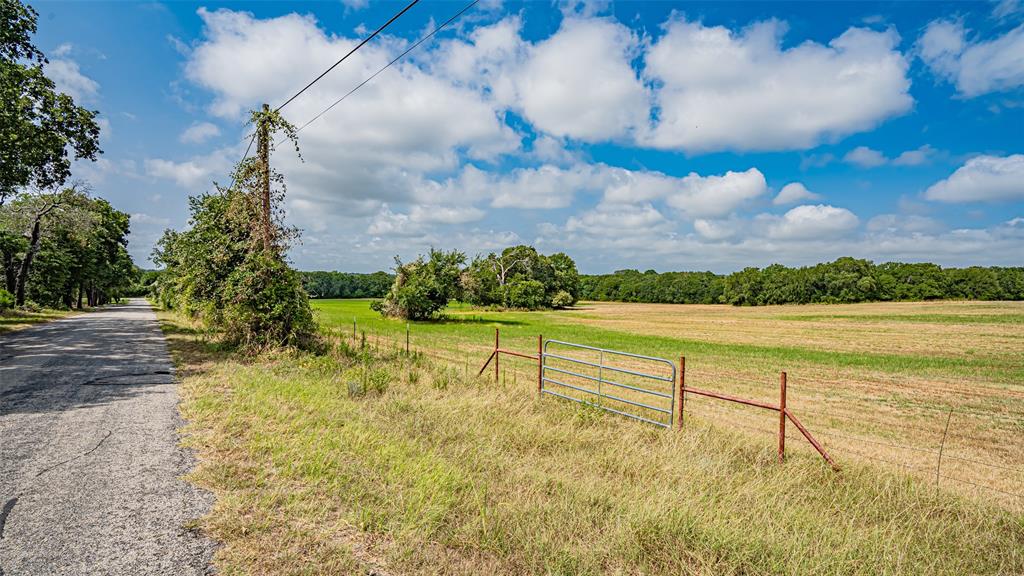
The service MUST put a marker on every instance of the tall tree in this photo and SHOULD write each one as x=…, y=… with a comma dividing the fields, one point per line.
x=41, y=129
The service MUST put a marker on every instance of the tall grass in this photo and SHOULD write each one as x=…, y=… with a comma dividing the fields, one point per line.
x=431, y=472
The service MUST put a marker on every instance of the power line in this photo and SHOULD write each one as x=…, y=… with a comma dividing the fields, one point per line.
x=325, y=72
x=388, y=65
x=350, y=52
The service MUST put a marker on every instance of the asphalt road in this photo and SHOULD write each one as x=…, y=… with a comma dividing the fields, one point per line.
x=90, y=465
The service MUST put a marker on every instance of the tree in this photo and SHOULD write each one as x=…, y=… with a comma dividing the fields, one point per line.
x=40, y=128
x=423, y=287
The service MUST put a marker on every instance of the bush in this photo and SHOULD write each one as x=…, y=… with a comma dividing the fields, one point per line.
x=266, y=305
x=6, y=300
x=562, y=300
x=527, y=294
x=423, y=287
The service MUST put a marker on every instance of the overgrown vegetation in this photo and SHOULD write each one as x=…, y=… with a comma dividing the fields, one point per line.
x=845, y=280
x=360, y=461
x=229, y=269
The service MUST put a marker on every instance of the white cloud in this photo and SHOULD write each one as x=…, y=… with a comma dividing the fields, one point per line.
x=199, y=132
x=982, y=179
x=197, y=172
x=69, y=79
x=864, y=157
x=743, y=91
x=376, y=148
x=975, y=67
x=716, y=196
x=917, y=157
x=792, y=193
x=614, y=220
x=870, y=158
x=717, y=229
x=809, y=222
x=579, y=82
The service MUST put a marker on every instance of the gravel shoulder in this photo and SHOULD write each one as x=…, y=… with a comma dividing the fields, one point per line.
x=90, y=481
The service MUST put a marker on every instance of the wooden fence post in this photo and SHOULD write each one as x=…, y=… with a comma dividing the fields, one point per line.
x=496, y=355
x=782, y=416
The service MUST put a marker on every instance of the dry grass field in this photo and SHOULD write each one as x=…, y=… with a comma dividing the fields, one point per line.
x=364, y=459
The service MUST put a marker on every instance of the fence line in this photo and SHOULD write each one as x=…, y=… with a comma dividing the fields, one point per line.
x=406, y=343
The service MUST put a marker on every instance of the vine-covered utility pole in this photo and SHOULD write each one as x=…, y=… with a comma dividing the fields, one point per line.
x=263, y=151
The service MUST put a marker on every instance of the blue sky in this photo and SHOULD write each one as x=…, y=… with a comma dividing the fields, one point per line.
x=664, y=135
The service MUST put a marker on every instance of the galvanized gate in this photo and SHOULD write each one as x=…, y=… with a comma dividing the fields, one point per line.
x=643, y=386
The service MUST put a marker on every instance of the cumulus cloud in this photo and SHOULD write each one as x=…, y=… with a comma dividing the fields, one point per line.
x=69, y=78
x=982, y=179
x=974, y=67
x=579, y=82
x=722, y=89
x=811, y=221
x=199, y=132
x=792, y=193
x=375, y=149
x=715, y=196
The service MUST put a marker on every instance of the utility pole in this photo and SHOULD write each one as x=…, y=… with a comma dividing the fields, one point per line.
x=263, y=150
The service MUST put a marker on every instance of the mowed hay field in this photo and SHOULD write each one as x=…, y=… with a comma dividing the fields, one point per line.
x=367, y=460
x=878, y=382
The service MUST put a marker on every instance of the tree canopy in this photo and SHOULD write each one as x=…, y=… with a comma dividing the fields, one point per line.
x=41, y=129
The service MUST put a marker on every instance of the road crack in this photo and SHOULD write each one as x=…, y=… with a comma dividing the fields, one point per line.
x=73, y=458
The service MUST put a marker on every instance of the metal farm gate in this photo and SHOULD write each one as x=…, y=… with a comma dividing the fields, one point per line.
x=631, y=385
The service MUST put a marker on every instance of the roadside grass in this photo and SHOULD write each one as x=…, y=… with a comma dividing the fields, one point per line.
x=374, y=461
x=11, y=320
x=885, y=409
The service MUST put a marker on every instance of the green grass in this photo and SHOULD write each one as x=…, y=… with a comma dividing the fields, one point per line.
x=429, y=471
x=464, y=325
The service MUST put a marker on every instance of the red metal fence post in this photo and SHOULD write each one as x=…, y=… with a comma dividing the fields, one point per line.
x=540, y=364
x=682, y=387
x=782, y=416
x=496, y=354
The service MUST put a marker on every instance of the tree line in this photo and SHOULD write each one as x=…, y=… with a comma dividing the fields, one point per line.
x=59, y=246
x=321, y=284
x=845, y=280
x=519, y=277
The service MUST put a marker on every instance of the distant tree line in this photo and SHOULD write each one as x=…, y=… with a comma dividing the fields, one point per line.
x=845, y=280
x=519, y=277
x=346, y=284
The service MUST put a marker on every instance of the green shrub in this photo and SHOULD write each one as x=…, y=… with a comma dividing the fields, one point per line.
x=424, y=286
x=527, y=294
x=562, y=300
x=6, y=300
